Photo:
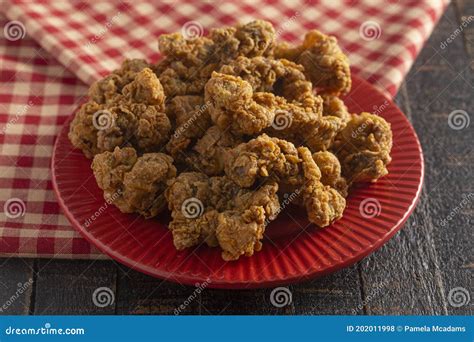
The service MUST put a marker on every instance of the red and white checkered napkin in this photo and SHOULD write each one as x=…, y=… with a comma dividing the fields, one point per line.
x=48, y=49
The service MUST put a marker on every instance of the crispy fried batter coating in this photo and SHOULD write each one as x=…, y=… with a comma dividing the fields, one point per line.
x=83, y=132
x=234, y=105
x=133, y=116
x=218, y=212
x=191, y=118
x=334, y=106
x=262, y=157
x=316, y=133
x=249, y=116
x=281, y=77
x=320, y=135
x=323, y=203
x=363, y=148
x=325, y=65
x=108, y=88
x=134, y=184
x=330, y=169
x=240, y=232
x=109, y=170
x=192, y=221
x=190, y=62
x=295, y=168
x=209, y=153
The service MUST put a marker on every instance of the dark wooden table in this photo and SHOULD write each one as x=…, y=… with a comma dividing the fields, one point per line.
x=412, y=274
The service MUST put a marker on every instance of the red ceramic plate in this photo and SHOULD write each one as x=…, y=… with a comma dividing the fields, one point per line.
x=293, y=249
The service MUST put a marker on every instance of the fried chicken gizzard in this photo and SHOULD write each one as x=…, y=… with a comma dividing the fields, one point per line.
x=221, y=125
x=218, y=212
x=189, y=63
x=278, y=160
x=325, y=65
x=134, y=183
x=363, y=148
x=124, y=109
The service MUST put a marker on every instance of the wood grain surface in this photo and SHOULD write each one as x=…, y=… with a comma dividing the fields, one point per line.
x=412, y=274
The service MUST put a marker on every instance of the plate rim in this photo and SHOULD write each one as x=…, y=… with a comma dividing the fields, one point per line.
x=189, y=279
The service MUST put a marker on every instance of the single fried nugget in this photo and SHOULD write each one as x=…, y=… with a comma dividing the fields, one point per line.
x=323, y=203
x=107, y=89
x=131, y=183
x=363, y=148
x=232, y=105
x=109, y=170
x=145, y=184
x=330, y=169
x=262, y=157
x=133, y=116
x=325, y=65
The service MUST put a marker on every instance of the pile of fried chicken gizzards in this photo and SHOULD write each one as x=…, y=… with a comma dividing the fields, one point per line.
x=224, y=127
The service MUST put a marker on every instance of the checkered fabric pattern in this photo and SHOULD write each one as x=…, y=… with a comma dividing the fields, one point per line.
x=51, y=51
x=37, y=94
